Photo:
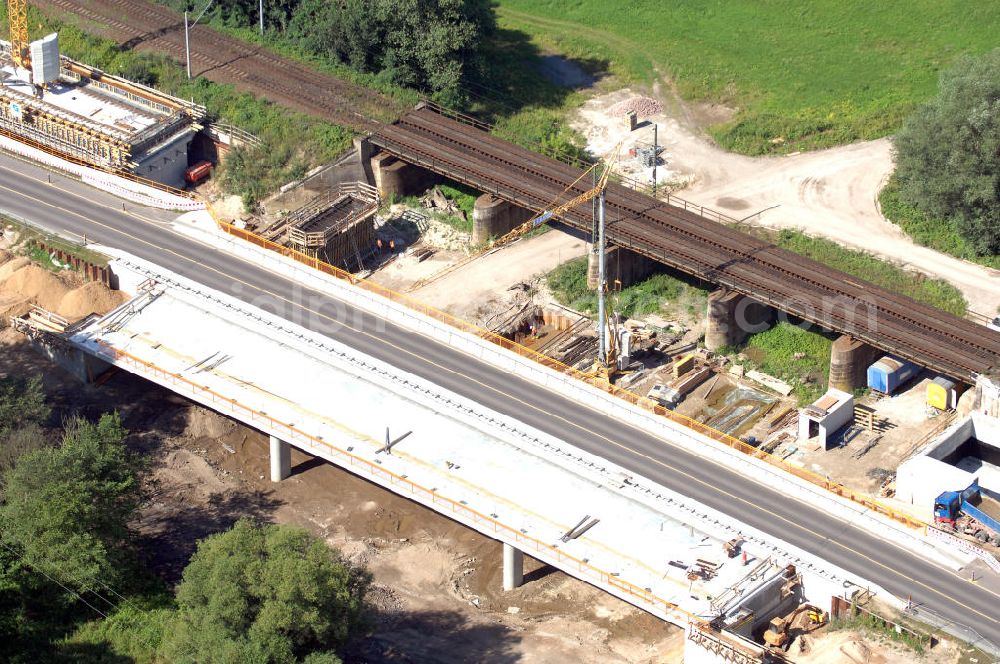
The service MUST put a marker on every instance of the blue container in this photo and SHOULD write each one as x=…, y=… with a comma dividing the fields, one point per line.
x=889, y=373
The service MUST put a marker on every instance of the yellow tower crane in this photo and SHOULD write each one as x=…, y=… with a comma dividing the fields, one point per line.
x=17, y=17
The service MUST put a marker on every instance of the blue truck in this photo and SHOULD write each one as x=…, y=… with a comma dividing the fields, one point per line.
x=971, y=513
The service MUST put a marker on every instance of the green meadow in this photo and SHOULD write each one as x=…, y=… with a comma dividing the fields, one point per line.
x=799, y=75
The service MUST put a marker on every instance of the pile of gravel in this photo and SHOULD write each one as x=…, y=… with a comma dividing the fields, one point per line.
x=643, y=107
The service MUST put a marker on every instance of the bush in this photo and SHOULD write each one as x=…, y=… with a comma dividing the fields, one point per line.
x=948, y=153
x=265, y=594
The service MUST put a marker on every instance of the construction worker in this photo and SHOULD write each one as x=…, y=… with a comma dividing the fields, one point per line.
x=378, y=243
x=392, y=246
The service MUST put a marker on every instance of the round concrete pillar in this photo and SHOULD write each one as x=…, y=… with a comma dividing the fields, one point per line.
x=490, y=218
x=849, y=361
x=720, y=322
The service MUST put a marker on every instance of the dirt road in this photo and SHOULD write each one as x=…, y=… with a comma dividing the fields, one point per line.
x=830, y=193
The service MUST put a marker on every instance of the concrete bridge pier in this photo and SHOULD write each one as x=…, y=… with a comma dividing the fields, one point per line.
x=396, y=177
x=623, y=266
x=494, y=217
x=513, y=567
x=281, y=459
x=732, y=316
x=849, y=361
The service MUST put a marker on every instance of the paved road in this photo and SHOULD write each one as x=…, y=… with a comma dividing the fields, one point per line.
x=74, y=209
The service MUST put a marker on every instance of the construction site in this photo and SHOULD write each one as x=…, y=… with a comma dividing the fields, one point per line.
x=69, y=108
x=904, y=426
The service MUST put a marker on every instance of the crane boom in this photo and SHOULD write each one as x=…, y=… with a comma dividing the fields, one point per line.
x=17, y=16
x=559, y=210
x=537, y=220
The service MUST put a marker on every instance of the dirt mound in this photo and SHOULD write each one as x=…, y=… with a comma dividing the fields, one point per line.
x=9, y=268
x=90, y=298
x=38, y=284
x=643, y=107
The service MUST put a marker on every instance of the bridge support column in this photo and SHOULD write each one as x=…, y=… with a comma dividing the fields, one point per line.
x=281, y=459
x=365, y=150
x=396, y=177
x=513, y=567
x=849, y=361
x=494, y=217
x=623, y=266
x=732, y=316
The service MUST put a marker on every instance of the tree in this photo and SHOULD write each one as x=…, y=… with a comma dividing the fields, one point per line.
x=265, y=594
x=425, y=44
x=22, y=402
x=948, y=152
x=22, y=412
x=67, y=508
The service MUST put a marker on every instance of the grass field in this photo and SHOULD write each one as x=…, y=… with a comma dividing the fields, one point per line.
x=802, y=75
x=661, y=292
x=798, y=355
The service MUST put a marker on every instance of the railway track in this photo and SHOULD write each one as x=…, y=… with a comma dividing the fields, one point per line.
x=147, y=26
x=701, y=247
x=673, y=235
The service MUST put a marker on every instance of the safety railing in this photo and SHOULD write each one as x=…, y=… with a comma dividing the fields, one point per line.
x=589, y=378
x=485, y=523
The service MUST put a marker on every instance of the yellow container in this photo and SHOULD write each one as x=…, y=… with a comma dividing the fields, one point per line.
x=941, y=393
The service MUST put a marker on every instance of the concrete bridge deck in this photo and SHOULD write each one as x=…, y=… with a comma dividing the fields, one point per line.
x=503, y=478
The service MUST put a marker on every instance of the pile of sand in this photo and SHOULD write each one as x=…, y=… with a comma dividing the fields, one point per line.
x=90, y=298
x=38, y=284
x=20, y=279
x=9, y=268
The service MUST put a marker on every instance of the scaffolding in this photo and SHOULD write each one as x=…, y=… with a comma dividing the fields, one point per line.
x=337, y=226
x=116, y=144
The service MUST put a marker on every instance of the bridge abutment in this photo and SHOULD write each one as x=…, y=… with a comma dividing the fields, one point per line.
x=396, y=177
x=494, y=217
x=513, y=567
x=849, y=361
x=84, y=366
x=732, y=316
x=281, y=459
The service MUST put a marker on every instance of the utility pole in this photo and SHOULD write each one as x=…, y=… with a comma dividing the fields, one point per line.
x=187, y=43
x=656, y=157
x=261, y=18
x=187, y=31
x=602, y=323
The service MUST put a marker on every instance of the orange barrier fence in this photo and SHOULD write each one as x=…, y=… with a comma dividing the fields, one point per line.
x=400, y=483
x=631, y=397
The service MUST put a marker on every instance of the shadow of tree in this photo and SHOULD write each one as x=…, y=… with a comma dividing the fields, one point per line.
x=518, y=75
x=431, y=637
x=171, y=537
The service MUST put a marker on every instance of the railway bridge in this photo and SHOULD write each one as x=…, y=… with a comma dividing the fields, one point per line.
x=698, y=242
